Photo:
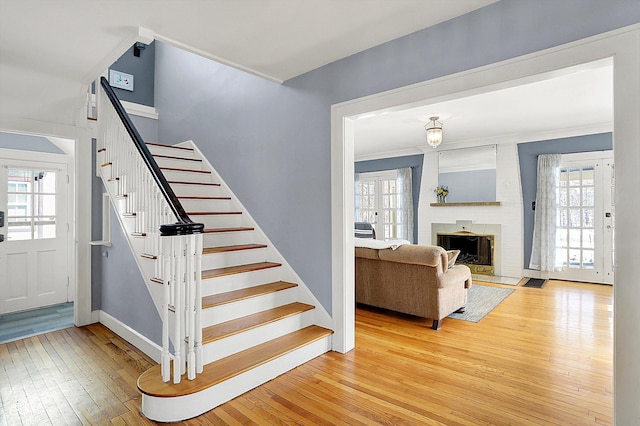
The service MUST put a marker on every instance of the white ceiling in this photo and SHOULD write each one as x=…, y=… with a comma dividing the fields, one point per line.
x=50, y=50
x=572, y=102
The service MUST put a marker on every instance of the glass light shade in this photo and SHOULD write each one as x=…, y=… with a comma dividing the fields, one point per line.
x=434, y=136
x=434, y=132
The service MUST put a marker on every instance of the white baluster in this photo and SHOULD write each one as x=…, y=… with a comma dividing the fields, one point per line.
x=191, y=307
x=177, y=296
x=182, y=292
x=165, y=260
x=198, y=316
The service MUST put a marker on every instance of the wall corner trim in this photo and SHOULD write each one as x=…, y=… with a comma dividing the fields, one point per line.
x=151, y=349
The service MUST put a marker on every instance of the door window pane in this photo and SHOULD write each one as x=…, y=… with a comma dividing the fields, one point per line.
x=575, y=246
x=31, y=209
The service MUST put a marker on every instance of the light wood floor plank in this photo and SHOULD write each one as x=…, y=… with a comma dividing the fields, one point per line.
x=542, y=357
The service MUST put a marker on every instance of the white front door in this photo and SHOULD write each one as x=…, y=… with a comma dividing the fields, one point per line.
x=33, y=255
x=584, y=233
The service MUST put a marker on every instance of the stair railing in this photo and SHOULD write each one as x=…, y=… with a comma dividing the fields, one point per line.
x=170, y=236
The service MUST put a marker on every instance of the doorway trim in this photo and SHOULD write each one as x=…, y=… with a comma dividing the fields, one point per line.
x=623, y=45
x=51, y=158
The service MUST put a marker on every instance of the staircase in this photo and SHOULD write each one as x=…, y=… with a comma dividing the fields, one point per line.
x=256, y=319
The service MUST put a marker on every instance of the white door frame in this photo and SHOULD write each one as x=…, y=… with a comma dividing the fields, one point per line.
x=43, y=157
x=80, y=175
x=623, y=45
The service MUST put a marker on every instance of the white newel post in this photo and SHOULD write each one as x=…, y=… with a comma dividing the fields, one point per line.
x=181, y=259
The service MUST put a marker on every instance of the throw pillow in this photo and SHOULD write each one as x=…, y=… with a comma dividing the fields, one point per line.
x=452, y=255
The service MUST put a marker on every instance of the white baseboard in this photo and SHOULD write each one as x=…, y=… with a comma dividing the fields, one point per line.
x=150, y=348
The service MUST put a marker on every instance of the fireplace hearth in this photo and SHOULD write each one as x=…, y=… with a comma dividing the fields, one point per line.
x=476, y=250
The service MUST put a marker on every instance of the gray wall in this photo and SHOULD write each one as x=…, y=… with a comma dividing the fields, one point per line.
x=271, y=142
x=142, y=68
x=413, y=161
x=147, y=127
x=123, y=293
x=528, y=158
x=28, y=143
x=474, y=185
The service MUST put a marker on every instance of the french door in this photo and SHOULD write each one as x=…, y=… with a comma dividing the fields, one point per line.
x=377, y=203
x=34, y=229
x=584, y=231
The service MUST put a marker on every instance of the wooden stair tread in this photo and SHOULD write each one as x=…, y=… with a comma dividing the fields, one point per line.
x=198, y=197
x=229, y=328
x=169, y=146
x=182, y=182
x=178, y=169
x=176, y=158
x=216, y=230
x=245, y=293
x=239, y=269
x=150, y=382
x=238, y=247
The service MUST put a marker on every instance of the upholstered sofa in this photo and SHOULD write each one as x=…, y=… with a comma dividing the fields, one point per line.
x=411, y=279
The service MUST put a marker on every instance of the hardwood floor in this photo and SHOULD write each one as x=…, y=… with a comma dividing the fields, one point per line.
x=543, y=356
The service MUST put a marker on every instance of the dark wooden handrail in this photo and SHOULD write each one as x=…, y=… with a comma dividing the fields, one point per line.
x=185, y=225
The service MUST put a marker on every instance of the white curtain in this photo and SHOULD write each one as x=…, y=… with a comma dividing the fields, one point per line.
x=543, y=250
x=405, y=204
x=356, y=209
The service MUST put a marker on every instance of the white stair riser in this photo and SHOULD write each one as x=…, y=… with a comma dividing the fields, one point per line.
x=238, y=281
x=219, y=220
x=178, y=163
x=182, y=176
x=240, y=257
x=186, y=407
x=192, y=205
x=218, y=239
x=242, y=308
x=161, y=150
x=198, y=190
x=228, y=346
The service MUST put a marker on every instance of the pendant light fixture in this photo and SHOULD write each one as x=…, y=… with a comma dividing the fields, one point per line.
x=434, y=131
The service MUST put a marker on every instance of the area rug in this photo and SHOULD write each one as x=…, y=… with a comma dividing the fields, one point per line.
x=534, y=283
x=481, y=299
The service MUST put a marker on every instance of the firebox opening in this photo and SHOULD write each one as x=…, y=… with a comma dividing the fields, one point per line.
x=476, y=251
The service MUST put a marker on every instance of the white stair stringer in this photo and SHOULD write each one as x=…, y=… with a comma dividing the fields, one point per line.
x=203, y=190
